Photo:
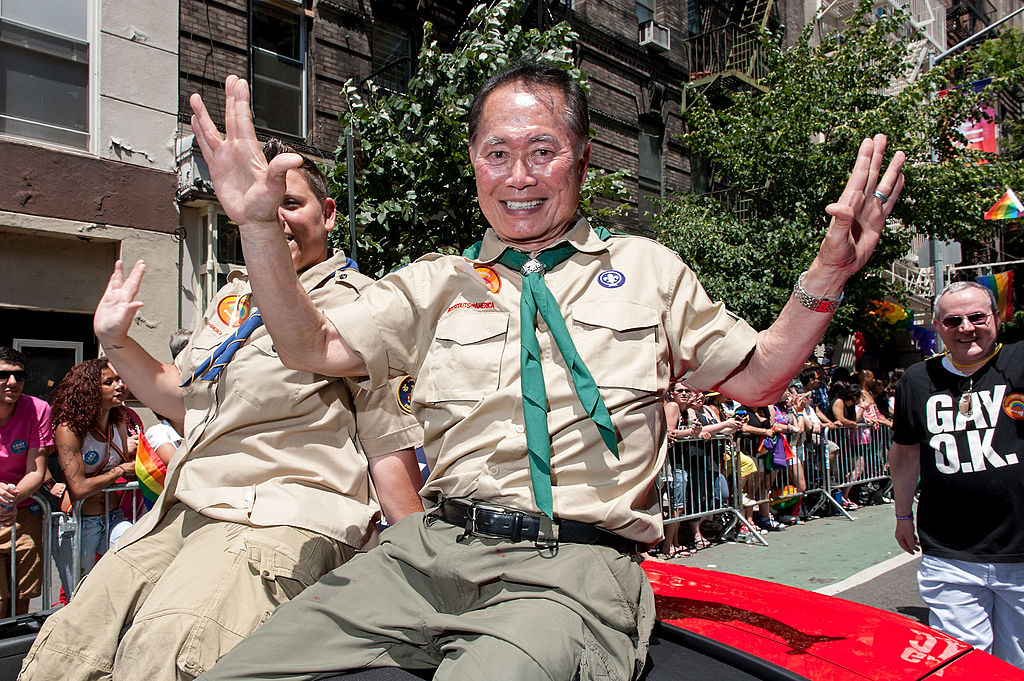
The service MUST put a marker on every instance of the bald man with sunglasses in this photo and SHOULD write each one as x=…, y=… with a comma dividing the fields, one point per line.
x=959, y=428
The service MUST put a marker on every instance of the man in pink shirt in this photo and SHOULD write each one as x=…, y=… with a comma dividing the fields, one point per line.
x=26, y=438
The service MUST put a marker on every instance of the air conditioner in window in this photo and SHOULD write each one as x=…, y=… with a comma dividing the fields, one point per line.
x=655, y=36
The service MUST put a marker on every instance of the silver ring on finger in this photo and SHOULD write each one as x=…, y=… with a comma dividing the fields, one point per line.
x=880, y=196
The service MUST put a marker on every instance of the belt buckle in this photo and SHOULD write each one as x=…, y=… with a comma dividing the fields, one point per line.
x=486, y=507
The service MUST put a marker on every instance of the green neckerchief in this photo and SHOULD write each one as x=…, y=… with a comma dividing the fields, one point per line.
x=537, y=298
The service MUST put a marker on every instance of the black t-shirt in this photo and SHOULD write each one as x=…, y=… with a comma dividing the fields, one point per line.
x=972, y=466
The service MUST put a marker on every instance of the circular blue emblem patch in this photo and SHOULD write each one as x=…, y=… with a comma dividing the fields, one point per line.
x=91, y=457
x=19, y=447
x=611, y=279
x=405, y=394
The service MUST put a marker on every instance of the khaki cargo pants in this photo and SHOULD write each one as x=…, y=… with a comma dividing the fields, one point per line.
x=168, y=605
x=477, y=609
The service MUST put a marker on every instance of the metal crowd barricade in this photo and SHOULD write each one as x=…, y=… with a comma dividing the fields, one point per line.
x=45, y=556
x=817, y=470
x=773, y=482
x=76, y=517
x=860, y=457
x=695, y=474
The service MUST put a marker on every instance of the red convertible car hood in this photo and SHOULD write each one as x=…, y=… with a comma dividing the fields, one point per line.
x=817, y=637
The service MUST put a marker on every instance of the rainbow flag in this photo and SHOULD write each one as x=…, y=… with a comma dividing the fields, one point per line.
x=891, y=313
x=150, y=471
x=1002, y=286
x=1007, y=207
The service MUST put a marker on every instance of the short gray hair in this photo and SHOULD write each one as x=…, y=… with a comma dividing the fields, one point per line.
x=960, y=286
x=179, y=339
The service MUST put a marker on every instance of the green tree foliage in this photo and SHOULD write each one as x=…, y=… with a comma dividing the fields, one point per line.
x=415, y=192
x=783, y=155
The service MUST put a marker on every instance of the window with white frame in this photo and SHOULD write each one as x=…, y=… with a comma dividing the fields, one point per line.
x=277, y=61
x=645, y=10
x=44, y=70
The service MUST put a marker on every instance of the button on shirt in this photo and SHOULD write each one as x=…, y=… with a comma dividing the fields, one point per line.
x=267, y=445
x=637, y=315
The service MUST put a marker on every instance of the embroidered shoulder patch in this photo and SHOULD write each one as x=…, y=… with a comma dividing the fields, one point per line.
x=404, y=395
x=611, y=279
x=1013, y=405
x=234, y=310
x=490, y=278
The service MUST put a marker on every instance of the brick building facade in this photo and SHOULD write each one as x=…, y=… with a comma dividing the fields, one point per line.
x=635, y=88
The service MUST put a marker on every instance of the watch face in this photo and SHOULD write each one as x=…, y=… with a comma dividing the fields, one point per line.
x=825, y=306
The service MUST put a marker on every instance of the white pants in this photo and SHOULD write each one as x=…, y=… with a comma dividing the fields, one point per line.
x=979, y=603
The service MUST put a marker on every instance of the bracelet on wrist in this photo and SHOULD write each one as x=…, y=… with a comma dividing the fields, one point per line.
x=909, y=516
x=814, y=303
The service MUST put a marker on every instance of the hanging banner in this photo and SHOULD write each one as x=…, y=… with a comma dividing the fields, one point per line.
x=980, y=133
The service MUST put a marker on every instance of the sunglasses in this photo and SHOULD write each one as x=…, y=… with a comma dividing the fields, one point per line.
x=19, y=375
x=954, y=321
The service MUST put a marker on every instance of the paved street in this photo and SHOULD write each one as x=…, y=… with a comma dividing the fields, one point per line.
x=858, y=561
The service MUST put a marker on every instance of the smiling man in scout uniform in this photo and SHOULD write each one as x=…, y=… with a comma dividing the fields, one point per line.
x=269, y=490
x=539, y=356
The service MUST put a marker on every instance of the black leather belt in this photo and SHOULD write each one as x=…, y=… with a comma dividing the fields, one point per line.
x=485, y=520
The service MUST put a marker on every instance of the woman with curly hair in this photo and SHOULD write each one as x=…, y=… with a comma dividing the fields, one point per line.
x=90, y=429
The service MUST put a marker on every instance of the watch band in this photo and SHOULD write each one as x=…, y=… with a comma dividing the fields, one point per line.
x=813, y=303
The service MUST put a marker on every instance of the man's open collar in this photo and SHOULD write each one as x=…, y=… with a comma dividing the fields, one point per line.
x=579, y=235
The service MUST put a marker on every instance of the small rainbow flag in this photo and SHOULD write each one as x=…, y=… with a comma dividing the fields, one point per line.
x=1007, y=207
x=150, y=471
x=1002, y=286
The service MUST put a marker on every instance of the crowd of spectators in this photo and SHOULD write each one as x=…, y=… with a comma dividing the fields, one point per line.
x=708, y=436
x=70, y=452
x=829, y=422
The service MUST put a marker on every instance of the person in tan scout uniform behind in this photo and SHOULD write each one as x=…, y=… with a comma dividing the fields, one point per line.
x=544, y=432
x=269, y=490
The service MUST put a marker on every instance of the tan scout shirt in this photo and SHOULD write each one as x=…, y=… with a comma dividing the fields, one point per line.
x=637, y=315
x=266, y=445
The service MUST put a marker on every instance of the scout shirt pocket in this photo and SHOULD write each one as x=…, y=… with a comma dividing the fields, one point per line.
x=618, y=341
x=464, y=359
x=269, y=381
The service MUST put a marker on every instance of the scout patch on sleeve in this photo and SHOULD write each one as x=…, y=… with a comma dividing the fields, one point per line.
x=234, y=310
x=404, y=395
x=490, y=278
